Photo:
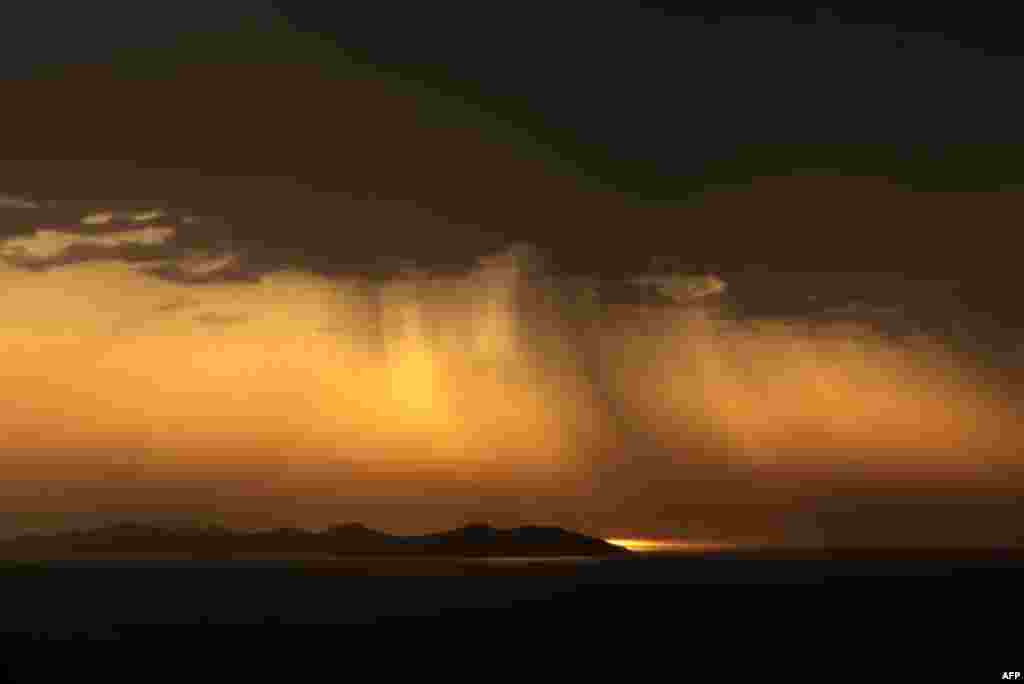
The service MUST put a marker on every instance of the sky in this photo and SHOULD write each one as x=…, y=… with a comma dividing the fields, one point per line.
x=635, y=274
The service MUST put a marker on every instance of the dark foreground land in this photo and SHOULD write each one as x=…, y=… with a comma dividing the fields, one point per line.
x=127, y=598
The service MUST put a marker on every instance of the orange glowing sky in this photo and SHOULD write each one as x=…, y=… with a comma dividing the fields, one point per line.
x=250, y=276
x=300, y=398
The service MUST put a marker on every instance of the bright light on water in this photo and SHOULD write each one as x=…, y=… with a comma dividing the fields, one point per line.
x=667, y=545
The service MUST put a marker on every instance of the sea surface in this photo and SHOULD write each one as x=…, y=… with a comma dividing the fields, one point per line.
x=117, y=599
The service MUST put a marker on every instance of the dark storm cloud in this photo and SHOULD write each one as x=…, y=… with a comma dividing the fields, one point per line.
x=619, y=292
x=15, y=202
x=659, y=393
x=886, y=318
x=909, y=518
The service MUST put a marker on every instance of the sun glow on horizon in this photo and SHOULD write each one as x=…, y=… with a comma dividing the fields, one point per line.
x=309, y=399
x=667, y=545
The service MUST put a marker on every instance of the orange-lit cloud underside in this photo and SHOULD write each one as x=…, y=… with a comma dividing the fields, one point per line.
x=463, y=385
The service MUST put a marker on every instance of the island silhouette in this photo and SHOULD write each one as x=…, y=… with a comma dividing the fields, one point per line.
x=346, y=540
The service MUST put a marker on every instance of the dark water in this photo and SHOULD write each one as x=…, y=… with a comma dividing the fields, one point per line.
x=124, y=599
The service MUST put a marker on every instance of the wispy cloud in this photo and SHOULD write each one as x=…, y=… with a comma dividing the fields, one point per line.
x=47, y=246
x=105, y=217
x=151, y=215
x=98, y=218
x=683, y=288
x=221, y=319
x=177, y=304
x=210, y=267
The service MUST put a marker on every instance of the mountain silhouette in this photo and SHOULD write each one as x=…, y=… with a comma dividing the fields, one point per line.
x=350, y=539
